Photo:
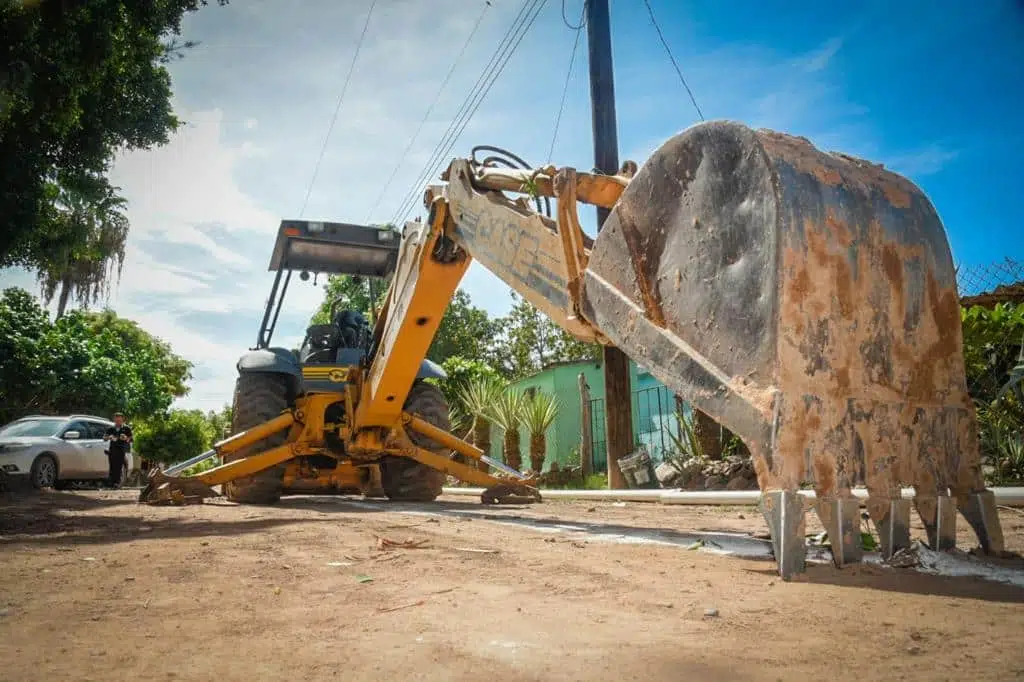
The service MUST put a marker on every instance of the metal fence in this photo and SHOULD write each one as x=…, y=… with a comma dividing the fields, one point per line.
x=997, y=282
x=655, y=424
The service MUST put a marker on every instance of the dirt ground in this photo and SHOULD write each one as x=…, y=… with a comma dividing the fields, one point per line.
x=96, y=587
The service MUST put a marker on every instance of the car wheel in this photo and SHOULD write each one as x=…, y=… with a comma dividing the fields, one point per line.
x=44, y=472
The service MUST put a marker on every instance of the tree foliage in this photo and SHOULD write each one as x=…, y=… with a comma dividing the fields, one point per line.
x=96, y=363
x=461, y=373
x=81, y=81
x=83, y=247
x=174, y=436
x=993, y=350
x=465, y=331
x=530, y=341
x=351, y=293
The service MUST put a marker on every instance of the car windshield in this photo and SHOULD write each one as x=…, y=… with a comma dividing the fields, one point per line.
x=32, y=427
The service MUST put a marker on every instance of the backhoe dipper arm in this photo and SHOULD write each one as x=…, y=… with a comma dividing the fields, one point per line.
x=539, y=258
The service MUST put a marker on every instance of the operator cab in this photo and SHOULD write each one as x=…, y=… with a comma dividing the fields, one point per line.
x=331, y=249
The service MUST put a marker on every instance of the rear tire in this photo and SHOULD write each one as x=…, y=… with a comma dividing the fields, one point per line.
x=259, y=397
x=404, y=479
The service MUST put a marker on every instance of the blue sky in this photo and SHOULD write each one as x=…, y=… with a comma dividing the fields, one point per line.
x=934, y=90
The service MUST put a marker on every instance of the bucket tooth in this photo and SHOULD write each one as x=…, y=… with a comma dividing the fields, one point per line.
x=979, y=509
x=841, y=517
x=938, y=514
x=783, y=510
x=892, y=521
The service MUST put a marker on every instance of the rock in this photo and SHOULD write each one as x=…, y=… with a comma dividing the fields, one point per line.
x=737, y=482
x=913, y=650
x=668, y=475
x=714, y=482
x=711, y=613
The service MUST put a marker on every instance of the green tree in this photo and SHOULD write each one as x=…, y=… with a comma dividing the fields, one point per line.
x=993, y=350
x=529, y=341
x=81, y=81
x=86, y=248
x=175, y=370
x=465, y=331
x=220, y=421
x=174, y=436
x=95, y=363
x=352, y=293
x=23, y=324
x=461, y=372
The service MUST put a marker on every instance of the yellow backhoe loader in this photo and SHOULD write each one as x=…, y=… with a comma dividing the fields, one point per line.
x=805, y=300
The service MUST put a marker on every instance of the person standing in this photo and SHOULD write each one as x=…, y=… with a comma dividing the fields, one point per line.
x=120, y=438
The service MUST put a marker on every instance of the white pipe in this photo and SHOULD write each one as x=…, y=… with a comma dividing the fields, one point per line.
x=1010, y=496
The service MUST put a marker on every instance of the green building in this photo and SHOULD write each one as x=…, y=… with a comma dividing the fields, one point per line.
x=654, y=407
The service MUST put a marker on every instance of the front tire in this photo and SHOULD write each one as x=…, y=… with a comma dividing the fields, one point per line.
x=259, y=397
x=404, y=479
x=44, y=472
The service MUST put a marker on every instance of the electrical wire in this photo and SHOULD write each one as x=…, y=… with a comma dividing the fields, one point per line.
x=430, y=109
x=568, y=74
x=337, y=108
x=460, y=117
x=668, y=50
x=583, y=15
x=522, y=24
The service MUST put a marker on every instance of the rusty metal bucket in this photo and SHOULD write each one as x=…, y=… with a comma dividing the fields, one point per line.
x=808, y=302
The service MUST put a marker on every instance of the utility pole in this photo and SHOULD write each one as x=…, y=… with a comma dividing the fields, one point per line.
x=618, y=402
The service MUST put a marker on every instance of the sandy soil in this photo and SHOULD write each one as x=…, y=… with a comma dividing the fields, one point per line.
x=95, y=587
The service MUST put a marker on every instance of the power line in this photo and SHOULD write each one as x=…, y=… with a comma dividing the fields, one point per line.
x=430, y=109
x=337, y=108
x=583, y=14
x=460, y=115
x=521, y=25
x=568, y=74
x=668, y=50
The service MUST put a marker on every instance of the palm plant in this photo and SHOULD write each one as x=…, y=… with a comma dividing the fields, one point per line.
x=687, y=443
x=476, y=398
x=507, y=412
x=539, y=413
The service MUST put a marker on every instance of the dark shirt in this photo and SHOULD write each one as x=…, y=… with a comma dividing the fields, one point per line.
x=117, y=446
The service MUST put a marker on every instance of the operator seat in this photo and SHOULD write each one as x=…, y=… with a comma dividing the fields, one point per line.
x=354, y=333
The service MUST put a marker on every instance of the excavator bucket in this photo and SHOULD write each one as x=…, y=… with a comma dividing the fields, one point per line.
x=807, y=301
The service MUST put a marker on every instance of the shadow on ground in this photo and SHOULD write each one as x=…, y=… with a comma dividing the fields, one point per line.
x=49, y=518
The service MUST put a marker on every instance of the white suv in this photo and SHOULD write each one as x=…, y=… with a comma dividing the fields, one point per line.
x=53, y=452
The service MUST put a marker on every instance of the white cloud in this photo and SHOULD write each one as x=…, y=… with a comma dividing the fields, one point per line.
x=921, y=162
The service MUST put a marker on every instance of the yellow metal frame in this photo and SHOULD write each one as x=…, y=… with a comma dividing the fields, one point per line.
x=410, y=320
